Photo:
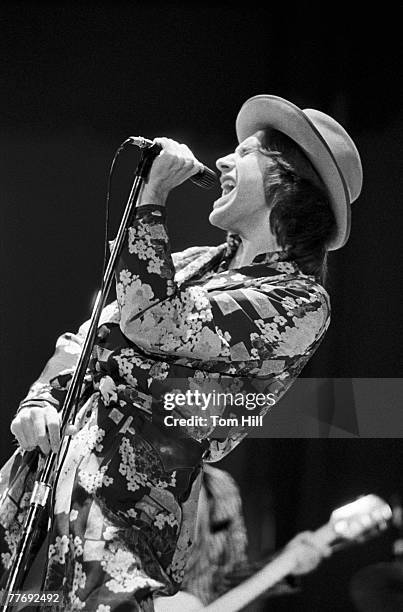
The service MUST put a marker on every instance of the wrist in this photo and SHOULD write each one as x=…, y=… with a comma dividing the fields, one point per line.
x=152, y=195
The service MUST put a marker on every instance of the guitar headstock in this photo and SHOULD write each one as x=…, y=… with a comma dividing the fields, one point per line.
x=361, y=518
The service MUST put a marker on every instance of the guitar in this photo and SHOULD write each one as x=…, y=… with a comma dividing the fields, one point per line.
x=356, y=521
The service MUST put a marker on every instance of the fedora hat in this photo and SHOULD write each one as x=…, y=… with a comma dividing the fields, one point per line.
x=324, y=141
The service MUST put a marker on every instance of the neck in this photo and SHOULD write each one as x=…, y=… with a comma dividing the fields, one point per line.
x=251, y=247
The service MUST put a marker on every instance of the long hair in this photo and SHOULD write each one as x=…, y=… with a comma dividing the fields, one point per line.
x=301, y=216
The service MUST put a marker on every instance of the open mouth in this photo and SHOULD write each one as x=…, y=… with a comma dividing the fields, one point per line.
x=227, y=188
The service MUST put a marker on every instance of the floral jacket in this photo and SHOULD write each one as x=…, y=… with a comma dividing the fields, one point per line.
x=126, y=495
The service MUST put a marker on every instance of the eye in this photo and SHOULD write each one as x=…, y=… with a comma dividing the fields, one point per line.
x=248, y=149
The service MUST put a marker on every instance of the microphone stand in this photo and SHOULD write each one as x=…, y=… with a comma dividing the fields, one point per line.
x=42, y=486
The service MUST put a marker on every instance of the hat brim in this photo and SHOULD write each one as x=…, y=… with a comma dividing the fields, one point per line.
x=263, y=111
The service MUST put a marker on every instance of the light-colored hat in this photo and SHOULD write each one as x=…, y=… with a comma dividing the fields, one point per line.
x=324, y=141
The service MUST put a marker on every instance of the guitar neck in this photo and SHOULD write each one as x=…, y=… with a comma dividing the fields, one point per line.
x=271, y=574
x=346, y=523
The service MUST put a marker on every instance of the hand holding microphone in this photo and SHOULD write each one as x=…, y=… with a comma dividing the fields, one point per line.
x=174, y=164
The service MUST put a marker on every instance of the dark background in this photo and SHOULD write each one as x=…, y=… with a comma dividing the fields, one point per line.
x=76, y=80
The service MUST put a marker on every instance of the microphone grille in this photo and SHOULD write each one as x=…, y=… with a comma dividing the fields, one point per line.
x=206, y=178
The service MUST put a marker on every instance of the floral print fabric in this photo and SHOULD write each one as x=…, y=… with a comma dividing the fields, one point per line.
x=126, y=495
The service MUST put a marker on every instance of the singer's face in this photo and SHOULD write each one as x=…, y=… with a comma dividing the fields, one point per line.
x=242, y=204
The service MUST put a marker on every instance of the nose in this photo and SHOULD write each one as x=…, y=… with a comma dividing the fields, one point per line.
x=225, y=164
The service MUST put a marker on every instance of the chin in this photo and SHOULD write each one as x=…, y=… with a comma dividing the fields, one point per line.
x=219, y=220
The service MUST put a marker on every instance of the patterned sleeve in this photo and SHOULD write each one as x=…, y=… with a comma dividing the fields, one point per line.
x=60, y=367
x=248, y=323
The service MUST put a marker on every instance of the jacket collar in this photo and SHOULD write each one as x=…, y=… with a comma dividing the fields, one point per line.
x=271, y=258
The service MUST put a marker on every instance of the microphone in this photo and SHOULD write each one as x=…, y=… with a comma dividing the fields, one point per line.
x=205, y=178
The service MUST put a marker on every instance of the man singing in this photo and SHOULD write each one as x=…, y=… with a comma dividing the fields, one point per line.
x=245, y=316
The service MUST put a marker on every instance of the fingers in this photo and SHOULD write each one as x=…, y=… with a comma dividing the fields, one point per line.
x=172, y=167
x=309, y=552
x=39, y=432
x=307, y=560
x=309, y=538
x=53, y=426
x=37, y=426
x=179, y=158
x=191, y=163
x=21, y=427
